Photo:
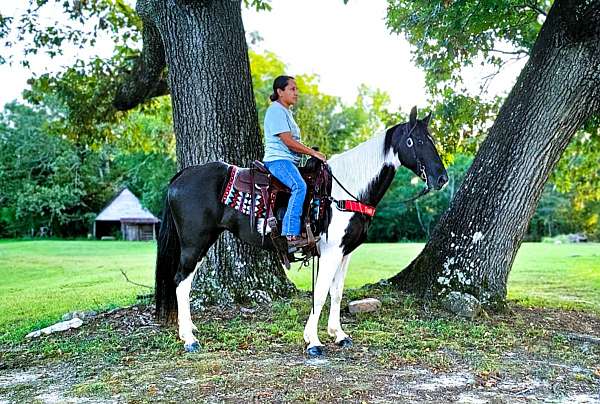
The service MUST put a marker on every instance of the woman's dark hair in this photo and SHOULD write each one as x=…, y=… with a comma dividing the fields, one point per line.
x=279, y=84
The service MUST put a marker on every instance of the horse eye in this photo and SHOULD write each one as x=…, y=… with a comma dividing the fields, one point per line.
x=409, y=142
x=420, y=142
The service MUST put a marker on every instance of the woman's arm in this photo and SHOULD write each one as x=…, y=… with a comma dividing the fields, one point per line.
x=296, y=146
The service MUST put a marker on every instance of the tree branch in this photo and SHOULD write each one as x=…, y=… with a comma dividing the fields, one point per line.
x=537, y=9
x=137, y=284
x=487, y=79
x=520, y=53
x=146, y=80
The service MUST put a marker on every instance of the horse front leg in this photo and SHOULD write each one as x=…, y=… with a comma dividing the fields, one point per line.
x=334, y=325
x=331, y=256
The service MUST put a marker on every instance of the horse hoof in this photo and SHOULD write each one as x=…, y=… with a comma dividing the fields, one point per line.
x=345, y=343
x=191, y=348
x=315, y=351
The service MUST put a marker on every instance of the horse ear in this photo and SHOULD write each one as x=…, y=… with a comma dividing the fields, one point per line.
x=413, y=116
x=427, y=119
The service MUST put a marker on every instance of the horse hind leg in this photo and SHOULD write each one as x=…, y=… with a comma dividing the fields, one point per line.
x=334, y=325
x=184, y=318
x=190, y=256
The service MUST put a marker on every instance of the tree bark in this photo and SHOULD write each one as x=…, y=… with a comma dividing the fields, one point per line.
x=214, y=115
x=475, y=243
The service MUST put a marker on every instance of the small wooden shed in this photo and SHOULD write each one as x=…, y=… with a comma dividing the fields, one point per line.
x=125, y=214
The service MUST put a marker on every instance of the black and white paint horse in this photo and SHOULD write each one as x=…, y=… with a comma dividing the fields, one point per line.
x=194, y=217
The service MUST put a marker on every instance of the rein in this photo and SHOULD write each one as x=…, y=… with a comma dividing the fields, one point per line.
x=420, y=166
x=344, y=188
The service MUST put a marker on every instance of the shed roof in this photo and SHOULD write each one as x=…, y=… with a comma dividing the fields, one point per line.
x=125, y=205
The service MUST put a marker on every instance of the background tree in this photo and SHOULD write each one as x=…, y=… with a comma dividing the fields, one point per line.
x=59, y=183
x=73, y=108
x=203, y=48
x=473, y=246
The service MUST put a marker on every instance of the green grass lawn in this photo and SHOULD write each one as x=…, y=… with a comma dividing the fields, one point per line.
x=41, y=280
x=563, y=275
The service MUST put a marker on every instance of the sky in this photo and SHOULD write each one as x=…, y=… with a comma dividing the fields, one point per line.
x=345, y=45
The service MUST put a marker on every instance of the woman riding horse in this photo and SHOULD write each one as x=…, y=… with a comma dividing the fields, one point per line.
x=282, y=153
x=195, y=216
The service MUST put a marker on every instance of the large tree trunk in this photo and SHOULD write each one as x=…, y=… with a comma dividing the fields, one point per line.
x=215, y=118
x=474, y=244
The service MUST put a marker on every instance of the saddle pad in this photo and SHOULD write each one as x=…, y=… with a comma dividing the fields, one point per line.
x=241, y=201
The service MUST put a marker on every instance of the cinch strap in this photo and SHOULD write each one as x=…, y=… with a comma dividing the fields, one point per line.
x=355, y=206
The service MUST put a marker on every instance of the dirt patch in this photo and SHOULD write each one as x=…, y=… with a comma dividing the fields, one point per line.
x=551, y=319
x=284, y=377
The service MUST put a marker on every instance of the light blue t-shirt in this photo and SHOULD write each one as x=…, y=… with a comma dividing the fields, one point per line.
x=279, y=119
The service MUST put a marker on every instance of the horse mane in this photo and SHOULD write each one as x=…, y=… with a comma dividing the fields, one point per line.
x=359, y=166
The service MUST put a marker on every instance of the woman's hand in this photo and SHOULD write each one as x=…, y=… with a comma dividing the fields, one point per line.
x=294, y=145
x=319, y=155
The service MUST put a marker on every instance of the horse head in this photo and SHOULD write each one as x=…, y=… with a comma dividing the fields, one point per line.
x=415, y=149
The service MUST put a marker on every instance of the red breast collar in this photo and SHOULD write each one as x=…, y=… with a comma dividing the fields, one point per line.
x=355, y=206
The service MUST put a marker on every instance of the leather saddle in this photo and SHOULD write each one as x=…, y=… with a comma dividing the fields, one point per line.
x=258, y=180
x=257, y=177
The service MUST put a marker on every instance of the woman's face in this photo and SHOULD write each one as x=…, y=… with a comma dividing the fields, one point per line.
x=289, y=95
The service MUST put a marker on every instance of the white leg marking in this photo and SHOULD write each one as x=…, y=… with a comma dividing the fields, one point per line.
x=186, y=327
x=334, y=325
x=331, y=256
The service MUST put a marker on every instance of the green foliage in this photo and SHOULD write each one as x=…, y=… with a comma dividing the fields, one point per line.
x=449, y=38
x=557, y=211
x=93, y=150
x=578, y=170
x=41, y=174
x=264, y=68
x=571, y=200
x=397, y=221
x=258, y=4
x=449, y=35
x=58, y=183
x=82, y=95
x=454, y=39
x=85, y=21
x=461, y=122
x=146, y=175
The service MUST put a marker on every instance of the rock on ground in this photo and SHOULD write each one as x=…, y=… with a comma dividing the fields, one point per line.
x=364, y=306
x=462, y=304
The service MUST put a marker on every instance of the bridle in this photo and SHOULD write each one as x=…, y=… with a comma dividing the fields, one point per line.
x=410, y=143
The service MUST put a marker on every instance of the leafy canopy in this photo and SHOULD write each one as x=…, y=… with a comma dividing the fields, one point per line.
x=454, y=41
x=449, y=35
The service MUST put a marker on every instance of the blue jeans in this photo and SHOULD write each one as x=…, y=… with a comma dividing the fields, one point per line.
x=287, y=172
